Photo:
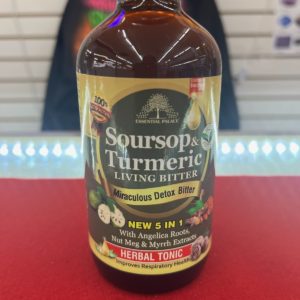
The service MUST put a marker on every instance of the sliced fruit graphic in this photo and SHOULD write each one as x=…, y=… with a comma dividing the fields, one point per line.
x=104, y=213
x=117, y=218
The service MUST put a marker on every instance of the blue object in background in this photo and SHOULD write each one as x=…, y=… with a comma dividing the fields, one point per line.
x=283, y=42
x=285, y=21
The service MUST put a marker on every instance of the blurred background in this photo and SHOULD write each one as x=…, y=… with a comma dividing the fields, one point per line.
x=265, y=69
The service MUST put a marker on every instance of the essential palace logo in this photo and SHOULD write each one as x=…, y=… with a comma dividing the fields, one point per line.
x=157, y=110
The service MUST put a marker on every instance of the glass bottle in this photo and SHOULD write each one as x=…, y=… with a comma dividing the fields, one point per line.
x=147, y=40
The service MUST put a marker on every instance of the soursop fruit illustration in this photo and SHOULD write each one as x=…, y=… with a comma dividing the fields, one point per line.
x=104, y=213
x=117, y=218
x=94, y=199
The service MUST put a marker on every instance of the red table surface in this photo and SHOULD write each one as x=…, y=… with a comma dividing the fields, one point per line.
x=44, y=252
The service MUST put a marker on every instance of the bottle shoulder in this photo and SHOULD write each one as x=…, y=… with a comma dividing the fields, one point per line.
x=149, y=44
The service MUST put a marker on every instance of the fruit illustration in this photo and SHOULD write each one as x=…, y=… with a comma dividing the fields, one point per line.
x=199, y=246
x=196, y=251
x=196, y=220
x=94, y=199
x=104, y=213
x=210, y=204
x=205, y=244
x=117, y=218
x=200, y=240
x=104, y=248
x=200, y=211
x=108, y=212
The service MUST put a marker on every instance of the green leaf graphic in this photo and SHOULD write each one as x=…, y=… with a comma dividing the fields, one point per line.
x=111, y=204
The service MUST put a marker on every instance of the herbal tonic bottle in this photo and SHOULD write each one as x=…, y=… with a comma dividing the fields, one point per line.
x=149, y=82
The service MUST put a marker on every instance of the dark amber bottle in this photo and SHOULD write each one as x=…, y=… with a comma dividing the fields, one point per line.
x=149, y=90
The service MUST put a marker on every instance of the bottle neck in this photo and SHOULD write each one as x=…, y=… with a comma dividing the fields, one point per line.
x=135, y=5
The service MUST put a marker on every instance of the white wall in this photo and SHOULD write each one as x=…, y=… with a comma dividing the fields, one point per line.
x=267, y=85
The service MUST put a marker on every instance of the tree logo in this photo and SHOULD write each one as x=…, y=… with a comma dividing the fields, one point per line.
x=158, y=109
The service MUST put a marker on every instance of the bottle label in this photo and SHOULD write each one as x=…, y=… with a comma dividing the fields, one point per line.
x=149, y=148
